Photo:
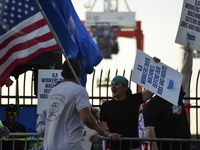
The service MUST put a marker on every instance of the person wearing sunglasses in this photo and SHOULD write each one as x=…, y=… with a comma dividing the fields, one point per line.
x=11, y=114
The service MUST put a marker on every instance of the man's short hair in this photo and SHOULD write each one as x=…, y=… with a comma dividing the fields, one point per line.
x=66, y=71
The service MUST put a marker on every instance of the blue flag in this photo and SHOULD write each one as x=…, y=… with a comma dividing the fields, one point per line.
x=74, y=37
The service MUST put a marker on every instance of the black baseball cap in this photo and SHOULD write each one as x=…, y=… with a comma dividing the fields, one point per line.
x=11, y=108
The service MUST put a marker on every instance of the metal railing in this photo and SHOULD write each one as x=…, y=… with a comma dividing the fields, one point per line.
x=26, y=137
x=37, y=141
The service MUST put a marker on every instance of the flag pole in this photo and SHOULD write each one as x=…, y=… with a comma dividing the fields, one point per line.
x=57, y=40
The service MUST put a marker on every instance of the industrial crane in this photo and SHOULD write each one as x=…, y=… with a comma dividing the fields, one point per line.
x=106, y=26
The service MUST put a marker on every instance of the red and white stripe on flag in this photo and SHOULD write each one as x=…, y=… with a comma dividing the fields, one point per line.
x=23, y=42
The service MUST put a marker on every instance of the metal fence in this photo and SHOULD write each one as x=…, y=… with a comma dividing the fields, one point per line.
x=34, y=141
x=98, y=87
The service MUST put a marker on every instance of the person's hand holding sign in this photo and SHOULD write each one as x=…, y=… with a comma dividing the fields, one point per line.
x=157, y=60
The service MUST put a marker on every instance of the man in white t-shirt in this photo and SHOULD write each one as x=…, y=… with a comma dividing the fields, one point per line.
x=68, y=110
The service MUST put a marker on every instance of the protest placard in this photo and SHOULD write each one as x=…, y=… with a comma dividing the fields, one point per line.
x=157, y=77
x=189, y=25
x=47, y=78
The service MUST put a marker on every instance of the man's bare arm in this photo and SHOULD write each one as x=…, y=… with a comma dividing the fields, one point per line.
x=89, y=120
x=187, y=67
x=146, y=95
x=150, y=133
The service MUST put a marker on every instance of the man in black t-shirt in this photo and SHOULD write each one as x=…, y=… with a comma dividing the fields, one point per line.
x=121, y=113
x=164, y=120
x=11, y=113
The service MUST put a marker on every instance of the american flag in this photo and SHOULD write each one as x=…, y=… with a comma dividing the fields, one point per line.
x=24, y=34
